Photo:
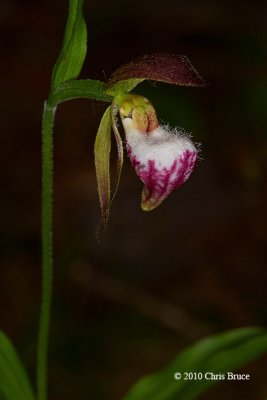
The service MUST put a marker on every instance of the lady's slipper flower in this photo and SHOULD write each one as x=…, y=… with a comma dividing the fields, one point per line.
x=162, y=159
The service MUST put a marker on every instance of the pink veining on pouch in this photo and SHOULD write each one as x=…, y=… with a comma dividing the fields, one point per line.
x=163, y=160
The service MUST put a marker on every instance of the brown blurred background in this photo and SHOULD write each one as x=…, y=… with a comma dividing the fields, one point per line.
x=158, y=281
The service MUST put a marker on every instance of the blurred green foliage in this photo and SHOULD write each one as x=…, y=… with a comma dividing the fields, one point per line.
x=14, y=383
x=219, y=355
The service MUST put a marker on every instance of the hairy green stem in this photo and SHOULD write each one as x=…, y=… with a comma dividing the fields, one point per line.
x=47, y=249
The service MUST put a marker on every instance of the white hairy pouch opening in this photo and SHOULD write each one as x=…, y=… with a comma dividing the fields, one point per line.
x=163, y=160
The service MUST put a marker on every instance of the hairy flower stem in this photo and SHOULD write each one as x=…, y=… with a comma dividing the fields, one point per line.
x=47, y=249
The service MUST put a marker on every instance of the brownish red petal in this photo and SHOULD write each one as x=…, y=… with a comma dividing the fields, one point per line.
x=175, y=69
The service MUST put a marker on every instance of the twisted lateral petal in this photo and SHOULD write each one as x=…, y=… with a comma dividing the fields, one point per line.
x=163, y=160
x=114, y=111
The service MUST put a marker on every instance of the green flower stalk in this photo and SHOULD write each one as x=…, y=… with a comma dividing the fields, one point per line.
x=140, y=122
x=159, y=172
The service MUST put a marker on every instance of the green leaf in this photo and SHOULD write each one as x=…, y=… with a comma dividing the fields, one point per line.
x=218, y=354
x=102, y=160
x=14, y=382
x=78, y=89
x=123, y=86
x=158, y=67
x=73, y=52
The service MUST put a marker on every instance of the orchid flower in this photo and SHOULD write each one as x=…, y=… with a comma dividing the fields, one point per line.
x=162, y=158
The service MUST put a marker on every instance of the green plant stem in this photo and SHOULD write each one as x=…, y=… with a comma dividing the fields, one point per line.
x=47, y=249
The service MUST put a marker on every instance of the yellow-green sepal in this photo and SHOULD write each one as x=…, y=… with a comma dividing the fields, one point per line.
x=102, y=163
x=102, y=160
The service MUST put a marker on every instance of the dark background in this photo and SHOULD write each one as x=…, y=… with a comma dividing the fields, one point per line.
x=158, y=281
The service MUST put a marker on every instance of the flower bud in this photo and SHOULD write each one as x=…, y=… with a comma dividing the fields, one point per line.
x=162, y=159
